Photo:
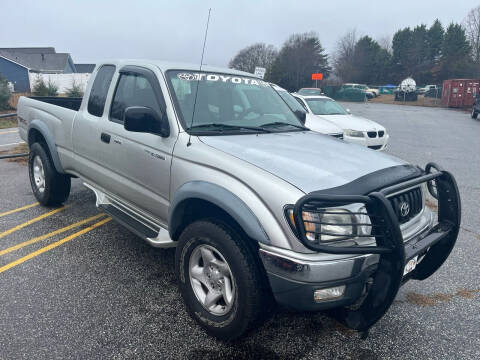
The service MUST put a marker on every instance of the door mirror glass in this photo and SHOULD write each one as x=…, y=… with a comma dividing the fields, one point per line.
x=146, y=120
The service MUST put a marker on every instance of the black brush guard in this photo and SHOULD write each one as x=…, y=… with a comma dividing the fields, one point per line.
x=436, y=243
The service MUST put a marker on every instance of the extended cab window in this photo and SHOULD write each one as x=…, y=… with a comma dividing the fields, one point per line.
x=98, y=94
x=132, y=90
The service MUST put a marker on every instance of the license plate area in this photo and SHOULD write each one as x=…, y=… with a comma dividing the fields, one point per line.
x=410, y=265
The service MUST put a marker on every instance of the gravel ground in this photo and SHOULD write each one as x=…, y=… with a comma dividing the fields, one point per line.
x=106, y=294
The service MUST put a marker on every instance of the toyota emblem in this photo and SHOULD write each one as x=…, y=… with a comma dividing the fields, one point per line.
x=404, y=209
x=186, y=76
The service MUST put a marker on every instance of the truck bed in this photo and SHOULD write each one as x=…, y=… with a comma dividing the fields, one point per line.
x=56, y=116
x=71, y=103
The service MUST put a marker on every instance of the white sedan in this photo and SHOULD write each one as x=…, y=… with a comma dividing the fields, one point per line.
x=356, y=129
x=311, y=121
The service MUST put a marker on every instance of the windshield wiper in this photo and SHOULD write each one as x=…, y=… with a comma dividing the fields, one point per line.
x=228, y=127
x=281, y=123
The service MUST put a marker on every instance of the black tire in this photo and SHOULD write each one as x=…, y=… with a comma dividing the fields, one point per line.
x=474, y=114
x=56, y=186
x=251, y=295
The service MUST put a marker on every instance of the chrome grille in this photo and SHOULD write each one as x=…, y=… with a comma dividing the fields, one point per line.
x=372, y=134
x=381, y=133
x=407, y=204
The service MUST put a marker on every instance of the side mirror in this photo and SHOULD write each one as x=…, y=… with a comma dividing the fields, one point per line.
x=146, y=120
x=348, y=111
x=301, y=115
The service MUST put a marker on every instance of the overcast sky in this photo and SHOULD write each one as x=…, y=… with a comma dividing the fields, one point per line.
x=173, y=30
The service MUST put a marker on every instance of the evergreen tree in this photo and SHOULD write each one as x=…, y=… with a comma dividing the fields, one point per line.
x=372, y=62
x=5, y=93
x=401, y=44
x=435, y=40
x=300, y=56
x=455, y=61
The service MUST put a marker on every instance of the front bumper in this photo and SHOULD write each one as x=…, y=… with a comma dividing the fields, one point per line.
x=374, y=273
x=294, y=281
x=376, y=143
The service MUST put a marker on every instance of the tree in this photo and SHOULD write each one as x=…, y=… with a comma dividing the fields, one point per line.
x=42, y=89
x=415, y=52
x=5, y=93
x=52, y=88
x=385, y=42
x=455, y=61
x=75, y=90
x=435, y=40
x=259, y=54
x=39, y=87
x=372, y=62
x=472, y=28
x=344, y=61
x=401, y=43
x=419, y=57
x=300, y=56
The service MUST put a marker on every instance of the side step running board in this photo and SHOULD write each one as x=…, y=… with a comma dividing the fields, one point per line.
x=155, y=235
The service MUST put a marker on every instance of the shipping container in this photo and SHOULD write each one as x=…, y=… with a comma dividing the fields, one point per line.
x=459, y=92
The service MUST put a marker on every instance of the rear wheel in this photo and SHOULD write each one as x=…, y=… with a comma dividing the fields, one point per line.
x=48, y=185
x=219, y=279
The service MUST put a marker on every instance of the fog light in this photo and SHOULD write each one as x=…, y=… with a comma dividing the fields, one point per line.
x=328, y=294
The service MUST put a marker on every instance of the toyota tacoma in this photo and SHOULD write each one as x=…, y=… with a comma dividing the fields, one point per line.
x=260, y=208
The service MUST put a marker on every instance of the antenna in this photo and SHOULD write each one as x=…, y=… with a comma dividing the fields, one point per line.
x=198, y=79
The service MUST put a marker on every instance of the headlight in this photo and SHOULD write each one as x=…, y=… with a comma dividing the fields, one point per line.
x=353, y=133
x=336, y=224
x=330, y=225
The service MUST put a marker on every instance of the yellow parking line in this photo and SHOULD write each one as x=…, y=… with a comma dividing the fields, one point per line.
x=34, y=220
x=18, y=209
x=52, y=245
x=50, y=234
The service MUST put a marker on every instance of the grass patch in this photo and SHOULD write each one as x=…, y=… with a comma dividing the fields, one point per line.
x=19, y=149
x=422, y=101
x=9, y=122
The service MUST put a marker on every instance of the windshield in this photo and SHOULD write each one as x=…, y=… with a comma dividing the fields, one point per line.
x=324, y=106
x=229, y=103
x=309, y=92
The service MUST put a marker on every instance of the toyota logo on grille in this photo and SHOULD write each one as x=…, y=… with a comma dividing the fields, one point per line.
x=404, y=209
x=186, y=76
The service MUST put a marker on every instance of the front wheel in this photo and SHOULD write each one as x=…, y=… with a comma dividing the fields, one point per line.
x=219, y=279
x=48, y=185
x=474, y=113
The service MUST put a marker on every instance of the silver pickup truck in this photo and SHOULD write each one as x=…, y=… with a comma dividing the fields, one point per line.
x=260, y=208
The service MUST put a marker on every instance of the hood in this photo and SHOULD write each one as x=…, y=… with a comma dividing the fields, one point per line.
x=308, y=160
x=352, y=122
x=321, y=125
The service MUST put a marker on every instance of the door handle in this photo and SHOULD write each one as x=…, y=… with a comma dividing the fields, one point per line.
x=105, y=138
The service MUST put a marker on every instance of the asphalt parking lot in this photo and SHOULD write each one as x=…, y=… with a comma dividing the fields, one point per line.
x=93, y=290
x=9, y=138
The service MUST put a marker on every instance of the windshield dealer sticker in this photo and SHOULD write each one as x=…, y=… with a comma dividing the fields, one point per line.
x=222, y=78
